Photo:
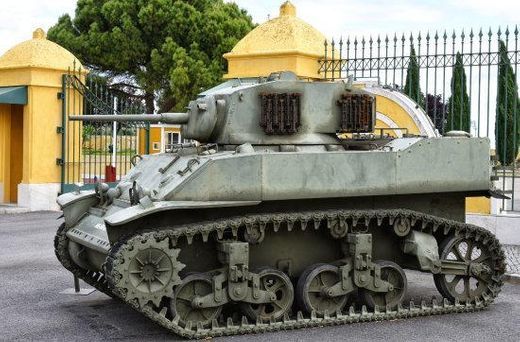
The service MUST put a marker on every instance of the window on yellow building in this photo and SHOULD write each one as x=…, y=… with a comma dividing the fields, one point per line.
x=172, y=138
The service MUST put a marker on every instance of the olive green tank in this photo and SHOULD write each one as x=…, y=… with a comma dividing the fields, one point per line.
x=289, y=211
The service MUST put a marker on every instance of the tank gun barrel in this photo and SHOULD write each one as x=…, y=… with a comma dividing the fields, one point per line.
x=168, y=118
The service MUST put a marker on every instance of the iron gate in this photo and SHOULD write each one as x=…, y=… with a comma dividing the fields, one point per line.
x=435, y=58
x=97, y=151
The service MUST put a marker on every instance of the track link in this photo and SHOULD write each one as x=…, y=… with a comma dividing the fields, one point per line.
x=310, y=220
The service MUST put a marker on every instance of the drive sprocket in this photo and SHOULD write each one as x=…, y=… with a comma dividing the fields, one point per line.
x=144, y=269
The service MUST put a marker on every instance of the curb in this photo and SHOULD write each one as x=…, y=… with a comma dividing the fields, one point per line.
x=8, y=210
x=512, y=278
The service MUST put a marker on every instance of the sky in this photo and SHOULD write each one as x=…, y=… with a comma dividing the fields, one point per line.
x=334, y=18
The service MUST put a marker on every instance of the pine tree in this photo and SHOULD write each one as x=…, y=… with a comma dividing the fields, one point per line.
x=507, y=100
x=412, y=86
x=458, y=106
x=169, y=49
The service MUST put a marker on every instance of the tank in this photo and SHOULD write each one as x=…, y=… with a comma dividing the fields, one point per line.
x=290, y=211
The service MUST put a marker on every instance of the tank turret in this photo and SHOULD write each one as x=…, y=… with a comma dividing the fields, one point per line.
x=278, y=110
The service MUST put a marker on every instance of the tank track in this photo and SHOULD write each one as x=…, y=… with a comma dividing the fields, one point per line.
x=94, y=279
x=308, y=220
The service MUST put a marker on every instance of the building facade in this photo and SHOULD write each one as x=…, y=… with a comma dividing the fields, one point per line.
x=30, y=121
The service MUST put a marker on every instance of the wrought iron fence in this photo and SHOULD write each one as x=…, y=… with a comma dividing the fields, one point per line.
x=97, y=151
x=465, y=66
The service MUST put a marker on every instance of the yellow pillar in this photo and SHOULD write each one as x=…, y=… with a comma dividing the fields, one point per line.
x=5, y=152
x=478, y=205
x=38, y=64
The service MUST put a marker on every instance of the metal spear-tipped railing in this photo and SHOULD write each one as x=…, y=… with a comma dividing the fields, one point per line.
x=386, y=59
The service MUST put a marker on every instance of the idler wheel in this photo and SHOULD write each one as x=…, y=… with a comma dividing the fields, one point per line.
x=394, y=274
x=181, y=305
x=311, y=289
x=279, y=283
x=465, y=288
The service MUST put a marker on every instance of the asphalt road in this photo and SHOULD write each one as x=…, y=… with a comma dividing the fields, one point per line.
x=32, y=308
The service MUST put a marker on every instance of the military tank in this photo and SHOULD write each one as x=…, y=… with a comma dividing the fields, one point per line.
x=291, y=211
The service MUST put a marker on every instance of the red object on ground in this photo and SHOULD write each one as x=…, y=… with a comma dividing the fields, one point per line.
x=110, y=173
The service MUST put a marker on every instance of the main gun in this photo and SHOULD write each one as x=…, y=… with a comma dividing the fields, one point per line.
x=167, y=118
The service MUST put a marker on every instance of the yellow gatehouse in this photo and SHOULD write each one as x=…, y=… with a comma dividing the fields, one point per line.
x=30, y=115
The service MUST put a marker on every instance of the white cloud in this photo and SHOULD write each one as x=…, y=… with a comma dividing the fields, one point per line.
x=365, y=17
x=18, y=19
x=507, y=10
x=334, y=17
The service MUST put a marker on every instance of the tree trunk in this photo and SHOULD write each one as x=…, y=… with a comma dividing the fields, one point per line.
x=149, y=101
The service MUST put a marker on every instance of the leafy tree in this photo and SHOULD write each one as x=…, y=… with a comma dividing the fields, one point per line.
x=166, y=50
x=458, y=108
x=435, y=110
x=507, y=100
x=412, y=85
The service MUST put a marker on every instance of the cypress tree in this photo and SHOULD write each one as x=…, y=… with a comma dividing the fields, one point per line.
x=458, y=107
x=435, y=107
x=412, y=87
x=507, y=100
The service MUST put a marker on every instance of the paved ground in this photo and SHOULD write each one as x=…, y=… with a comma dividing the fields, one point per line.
x=31, y=307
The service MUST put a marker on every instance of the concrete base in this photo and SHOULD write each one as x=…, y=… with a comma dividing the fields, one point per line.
x=38, y=196
x=82, y=292
x=512, y=278
x=498, y=206
x=505, y=227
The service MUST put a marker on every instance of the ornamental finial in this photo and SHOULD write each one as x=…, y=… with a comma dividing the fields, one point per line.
x=39, y=33
x=287, y=8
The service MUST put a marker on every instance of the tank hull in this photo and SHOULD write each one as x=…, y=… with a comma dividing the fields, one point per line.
x=229, y=179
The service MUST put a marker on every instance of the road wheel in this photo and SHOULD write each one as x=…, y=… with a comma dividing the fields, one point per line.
x=192, y=286
x=310, y=291
x=393, y=274
x=279, y=283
